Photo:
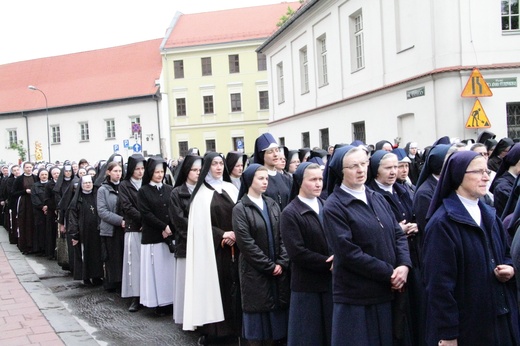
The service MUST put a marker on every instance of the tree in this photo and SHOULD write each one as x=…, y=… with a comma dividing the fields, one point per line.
x=20, y=148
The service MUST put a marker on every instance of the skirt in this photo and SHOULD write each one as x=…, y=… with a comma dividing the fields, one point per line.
x=366, y=324
x=270, y=325
x=310, y=318
x=180, y=281
x=131, y=265
x=157, y=275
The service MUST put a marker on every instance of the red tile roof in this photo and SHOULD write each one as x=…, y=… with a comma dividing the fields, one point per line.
x=95, y=76
x=238, y=24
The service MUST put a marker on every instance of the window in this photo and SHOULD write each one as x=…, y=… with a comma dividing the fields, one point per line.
x=13, y=137
x=183, y=148
x=281, y=141
x=110, y=129
x=206, y=66
x=210, y=145
x=304, y=71
x=181, y=106
x=83, y=132
x=359, y=131
x=281, y=91
x=236, y=103
x=208, y=104
x=238, y=144
x=261, y=62
x=322, y=60
x=357, y=50
x=306, y=143
x=263, y=98
x=56, y=134
x=324, y=138
x=510, y=16
x=234, y=65
x=178, y=68
x=513, y=120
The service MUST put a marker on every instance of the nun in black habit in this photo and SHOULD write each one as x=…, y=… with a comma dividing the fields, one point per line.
x=501, y=149
x=235, y=165
x=83, y=228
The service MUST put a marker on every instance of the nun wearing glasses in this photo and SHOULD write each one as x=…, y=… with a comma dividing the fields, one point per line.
x=467, y=267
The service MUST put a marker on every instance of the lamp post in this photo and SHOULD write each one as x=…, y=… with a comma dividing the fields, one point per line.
x=32, y=87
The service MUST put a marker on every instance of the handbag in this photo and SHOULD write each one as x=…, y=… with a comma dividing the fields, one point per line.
x=62, y=253
x=170, y=241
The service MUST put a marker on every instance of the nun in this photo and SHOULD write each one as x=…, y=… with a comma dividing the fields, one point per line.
x=180, y=200
x=157, y=261
x=371, y=257
x=210, y=251
x=132, y=244
x=501, y=149
x=263, y=261
x=267, y=154
x=467, y=268
x=39, y=211
x=235, y=164
x=301, y=225
x=502, y=186
x=83, y=229
x=22, y=193
x=51, y=226
x=292, y=161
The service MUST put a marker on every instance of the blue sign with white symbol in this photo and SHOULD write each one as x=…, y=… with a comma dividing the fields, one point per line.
x=116, y=147
x=137, y=148
x=126, y=143
x=240, y=144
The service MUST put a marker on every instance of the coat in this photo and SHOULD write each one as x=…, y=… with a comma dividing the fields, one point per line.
x=422, y=199
x=458, y=262
x=128, y=206
x=107, y=210
x=154, y=207
x=304, y=238
x=503, y=188
x=179, y=211
x=261, y=291
x=368, y=244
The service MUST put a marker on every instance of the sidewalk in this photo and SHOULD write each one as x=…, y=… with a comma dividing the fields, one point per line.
x=30, y=314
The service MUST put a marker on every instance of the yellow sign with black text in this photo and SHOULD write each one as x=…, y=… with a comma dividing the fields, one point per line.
x=476, y=86
x=477, y=118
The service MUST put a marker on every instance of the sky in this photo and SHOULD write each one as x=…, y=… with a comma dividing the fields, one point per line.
x=32, y=29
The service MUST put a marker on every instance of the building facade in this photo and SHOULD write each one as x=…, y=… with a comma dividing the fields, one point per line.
x=394, y=70
x=90, y=101
x=215, y=81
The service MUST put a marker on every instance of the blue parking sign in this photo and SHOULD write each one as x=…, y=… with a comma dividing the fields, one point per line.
x=116, y=148
x=126, y=143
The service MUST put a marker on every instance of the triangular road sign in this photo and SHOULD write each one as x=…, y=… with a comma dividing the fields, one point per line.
x=477, y=118
x=476, y=86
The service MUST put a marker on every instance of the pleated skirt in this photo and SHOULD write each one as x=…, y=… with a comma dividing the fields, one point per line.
x=131, y=265
x=157, y=275
x=180, y=281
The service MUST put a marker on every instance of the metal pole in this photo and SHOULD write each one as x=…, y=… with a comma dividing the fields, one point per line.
x=31, y=87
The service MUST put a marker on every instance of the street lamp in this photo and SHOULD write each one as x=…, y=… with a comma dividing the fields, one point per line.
x=32, y=87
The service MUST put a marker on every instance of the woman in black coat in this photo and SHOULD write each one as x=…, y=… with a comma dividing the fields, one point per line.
x=39, y=211
x=22, y=193
x=301, y=224
x=263, y=261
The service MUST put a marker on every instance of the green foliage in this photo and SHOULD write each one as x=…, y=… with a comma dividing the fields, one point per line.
x=22, y=152
x=283, y=19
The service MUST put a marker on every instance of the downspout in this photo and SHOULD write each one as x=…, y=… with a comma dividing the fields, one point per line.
x=157, y=98
x=27, y=133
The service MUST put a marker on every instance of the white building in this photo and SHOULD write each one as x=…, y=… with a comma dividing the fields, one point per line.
x=343, y=70
x=90, y=102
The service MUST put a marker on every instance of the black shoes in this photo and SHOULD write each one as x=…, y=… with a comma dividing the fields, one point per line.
x=134, y=306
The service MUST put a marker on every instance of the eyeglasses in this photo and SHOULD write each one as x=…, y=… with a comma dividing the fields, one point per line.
x=480, y=171
x=357, y=165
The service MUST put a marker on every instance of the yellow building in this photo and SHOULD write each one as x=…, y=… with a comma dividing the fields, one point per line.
x=215, y=82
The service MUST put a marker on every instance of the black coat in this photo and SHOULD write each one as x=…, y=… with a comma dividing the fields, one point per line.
x=261, y=291
x=128, y=206
x=179, y=210
x=304, y=238
x=153, y=205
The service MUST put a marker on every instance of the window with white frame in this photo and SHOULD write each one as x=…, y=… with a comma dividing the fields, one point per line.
x=56, y=134
x=206, y=66
x=304, y=70
x=211, y=145
x=178, y=69
x=324, y=138
x=261, y=61
x=181, y=106
x=13, y=136
x=110, y=126
x=281, y=90
x=306, y=140
x=84, y=134
x=357, y=41
x=510, y=15
x=208, y=104
x=263, y=99
x=236, y=102
x=234, y=63
x=183, y=148
x=322, y=60
x=358, y=130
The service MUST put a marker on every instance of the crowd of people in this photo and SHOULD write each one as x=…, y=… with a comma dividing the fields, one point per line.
x=354, y=245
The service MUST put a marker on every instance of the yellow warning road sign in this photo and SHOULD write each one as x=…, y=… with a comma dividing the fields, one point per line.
x=476, y=86
x=477, y=118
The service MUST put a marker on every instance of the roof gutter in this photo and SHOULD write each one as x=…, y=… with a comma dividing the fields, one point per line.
x=170, y=29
